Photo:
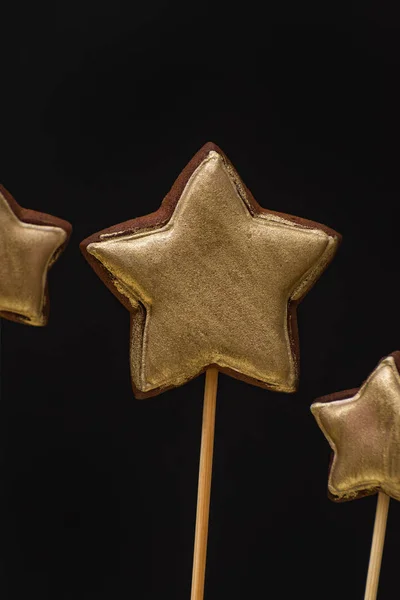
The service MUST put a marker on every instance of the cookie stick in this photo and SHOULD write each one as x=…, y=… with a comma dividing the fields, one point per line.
x=212, y=280
x=378, y=542
x=204, y=485
x=362, y=427
x=30, y=243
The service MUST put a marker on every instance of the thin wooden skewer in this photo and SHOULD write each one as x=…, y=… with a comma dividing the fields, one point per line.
x=204, y=486
x=378, y=540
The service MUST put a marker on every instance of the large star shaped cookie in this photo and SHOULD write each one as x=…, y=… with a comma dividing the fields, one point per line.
x=30, y=242
x=363, y=429
x=212, y=278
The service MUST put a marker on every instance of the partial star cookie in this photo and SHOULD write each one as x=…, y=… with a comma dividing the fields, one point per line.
x=30, y=242
x=362, y=427
x=211, y=278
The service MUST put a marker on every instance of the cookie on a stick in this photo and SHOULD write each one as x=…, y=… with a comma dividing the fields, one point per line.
x=30, y=243
x=362, y=427
x=212, y=281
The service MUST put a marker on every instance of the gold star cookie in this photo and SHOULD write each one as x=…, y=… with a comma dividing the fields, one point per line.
x=30, y=242
x=211, y=278
x=363, y=429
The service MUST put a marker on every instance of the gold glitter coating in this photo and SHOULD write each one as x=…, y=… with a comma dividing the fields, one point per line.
x=213, y=284
x=364, y=434
x=26, y=253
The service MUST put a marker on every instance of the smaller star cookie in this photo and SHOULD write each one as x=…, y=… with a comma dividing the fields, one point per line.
x=362, y=427
x=30, y=243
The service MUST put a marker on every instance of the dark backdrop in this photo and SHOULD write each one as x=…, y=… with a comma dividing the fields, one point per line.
x=102, y=105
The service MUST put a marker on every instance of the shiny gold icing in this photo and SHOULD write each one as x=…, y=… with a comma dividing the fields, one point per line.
x=364, y=434
x=26, y=251
x=212, y=286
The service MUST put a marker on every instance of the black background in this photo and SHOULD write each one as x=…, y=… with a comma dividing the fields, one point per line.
x=102, y=105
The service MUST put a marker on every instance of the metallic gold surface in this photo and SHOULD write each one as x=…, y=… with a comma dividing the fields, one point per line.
x=364, y=434
x=26, y=251
x=214, y=284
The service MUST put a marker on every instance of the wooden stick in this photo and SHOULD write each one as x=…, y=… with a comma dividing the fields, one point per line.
x=204, y=486
x=378, y=540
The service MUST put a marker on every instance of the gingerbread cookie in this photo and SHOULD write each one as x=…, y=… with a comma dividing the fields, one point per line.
x=211, y=278
x=362, y=427
x=30, y=242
